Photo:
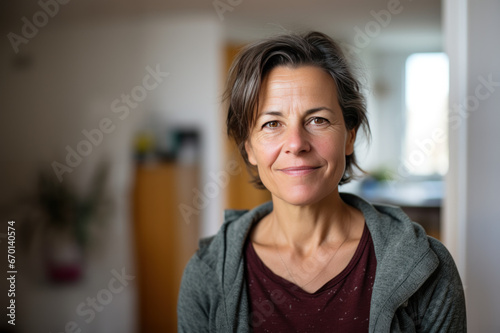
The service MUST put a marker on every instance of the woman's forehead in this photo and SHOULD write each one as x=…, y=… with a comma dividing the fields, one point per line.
x=302, y=85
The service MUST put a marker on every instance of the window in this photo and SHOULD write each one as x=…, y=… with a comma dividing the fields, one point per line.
x=425, y=148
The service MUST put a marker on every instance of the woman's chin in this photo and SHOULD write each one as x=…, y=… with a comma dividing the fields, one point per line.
x=301, y=197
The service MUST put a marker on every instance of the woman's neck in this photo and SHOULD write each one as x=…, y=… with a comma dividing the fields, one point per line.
x=306, y=228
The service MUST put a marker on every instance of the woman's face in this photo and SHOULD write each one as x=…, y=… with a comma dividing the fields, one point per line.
x=299, y=141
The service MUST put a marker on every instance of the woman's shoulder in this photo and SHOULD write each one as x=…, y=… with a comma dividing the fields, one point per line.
x=228, y=242
x=447, y=264
x=409, y=262
x=399, y=242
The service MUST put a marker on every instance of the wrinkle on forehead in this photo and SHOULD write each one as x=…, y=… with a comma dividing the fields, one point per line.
x=294, y=87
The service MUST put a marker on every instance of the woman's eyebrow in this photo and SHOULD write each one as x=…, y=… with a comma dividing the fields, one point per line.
x=321, y=108
x=308, y=112
x=271, y=113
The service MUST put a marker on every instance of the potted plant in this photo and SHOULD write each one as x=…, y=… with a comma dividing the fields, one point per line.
x=68, y=215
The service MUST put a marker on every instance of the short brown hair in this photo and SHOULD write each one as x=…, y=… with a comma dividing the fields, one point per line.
x=256, y=60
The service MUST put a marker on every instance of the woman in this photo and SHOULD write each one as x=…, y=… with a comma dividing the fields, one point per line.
x=313, y=259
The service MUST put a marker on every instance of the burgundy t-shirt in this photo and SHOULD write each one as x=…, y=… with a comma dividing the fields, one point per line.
x=341, y=305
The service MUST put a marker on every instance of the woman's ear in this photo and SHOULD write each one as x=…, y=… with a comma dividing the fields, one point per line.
x=250, y=154
x=349, y=144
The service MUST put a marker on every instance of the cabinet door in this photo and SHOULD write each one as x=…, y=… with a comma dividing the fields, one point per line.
x=164, y=240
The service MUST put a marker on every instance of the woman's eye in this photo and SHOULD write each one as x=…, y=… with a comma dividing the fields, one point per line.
x=271, y=124
x=318, y=121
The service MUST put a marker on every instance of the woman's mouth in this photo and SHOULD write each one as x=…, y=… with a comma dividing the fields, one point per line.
x=299, y=171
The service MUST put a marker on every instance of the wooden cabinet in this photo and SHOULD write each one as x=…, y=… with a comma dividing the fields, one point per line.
x=164, y=241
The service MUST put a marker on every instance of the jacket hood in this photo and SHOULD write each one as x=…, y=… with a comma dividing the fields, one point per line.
x=410, y=255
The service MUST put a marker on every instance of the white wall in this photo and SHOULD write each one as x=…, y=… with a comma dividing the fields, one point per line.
x=483, y=165
x=77, y=70
x=473, y=219
x=191, y=50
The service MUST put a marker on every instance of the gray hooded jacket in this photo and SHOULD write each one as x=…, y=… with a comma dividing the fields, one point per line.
x=417, y=287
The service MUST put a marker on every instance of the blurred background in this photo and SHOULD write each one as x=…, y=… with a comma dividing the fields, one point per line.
x=115, y=161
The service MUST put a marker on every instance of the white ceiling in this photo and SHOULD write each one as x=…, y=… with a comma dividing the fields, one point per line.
x=416, y=27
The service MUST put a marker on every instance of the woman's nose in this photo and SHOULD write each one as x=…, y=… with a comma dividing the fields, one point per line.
x=296, y=140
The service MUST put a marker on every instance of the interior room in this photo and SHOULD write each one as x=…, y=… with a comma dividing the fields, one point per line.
x=115, y=157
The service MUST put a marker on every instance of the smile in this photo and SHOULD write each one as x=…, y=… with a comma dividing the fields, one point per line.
x=299, y=171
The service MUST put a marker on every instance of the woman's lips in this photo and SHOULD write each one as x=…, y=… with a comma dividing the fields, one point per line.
x=299, y=171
